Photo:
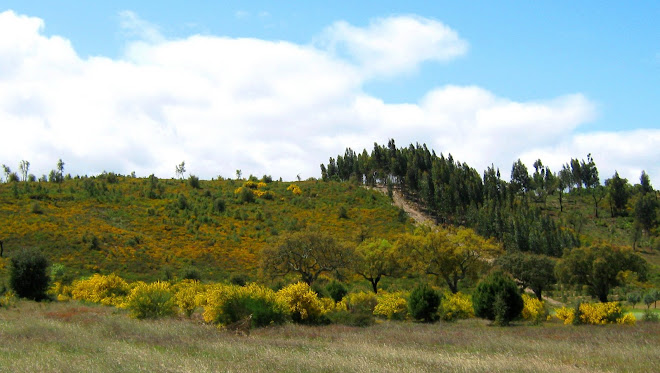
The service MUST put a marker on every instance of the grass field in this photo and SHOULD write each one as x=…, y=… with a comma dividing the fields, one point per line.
x=72, y=337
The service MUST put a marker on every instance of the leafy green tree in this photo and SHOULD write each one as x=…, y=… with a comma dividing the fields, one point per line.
x=497, y=298
x=576, y=172
x=375, y=258
x=634, y=298
x=28, y=275
x=590, y=179
x=650, y=297
x=598, y=268
x=451, y=255
x=307, y=253
x=529, y=270
x=564, y=180
x=646, y=212
x=645, y=183
x=520, y=180
x=618, y=194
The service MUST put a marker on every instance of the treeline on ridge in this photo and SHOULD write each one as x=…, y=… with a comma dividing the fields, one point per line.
x=515, y=211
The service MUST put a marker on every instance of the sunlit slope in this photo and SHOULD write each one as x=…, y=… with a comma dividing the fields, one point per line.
x=140, y=227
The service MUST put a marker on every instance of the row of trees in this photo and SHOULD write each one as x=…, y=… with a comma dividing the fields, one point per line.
x=55, y=176
x=451, y=256
x=510, y=210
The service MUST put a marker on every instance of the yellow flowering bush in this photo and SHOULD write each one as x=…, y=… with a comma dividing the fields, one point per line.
x=226, y=304
x=361, y=302
x=151, y=300
x=329, y=305
x=456, y=306
x=186, y=295
x=567, y=315
x=597, y=314
x=250, y=184
x=108, y=290
x=60, y=291
x=8, y=299
x=294, y=189
x=533, y=309
x=393, y=306
x=627, y=319
x=304, y=304
x=600, y=313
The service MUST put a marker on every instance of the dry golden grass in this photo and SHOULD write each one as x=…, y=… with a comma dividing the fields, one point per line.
x=72, y=337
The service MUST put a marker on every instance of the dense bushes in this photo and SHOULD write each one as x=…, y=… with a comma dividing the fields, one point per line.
x=228, y=304
x=533, y=309
x=109, y=290
x=392, y=306
x=497, y=298
x=456, y=306
x=304, y=305
x=595, y=314
x=28, y=275
x=151, y=301
x=423, y=304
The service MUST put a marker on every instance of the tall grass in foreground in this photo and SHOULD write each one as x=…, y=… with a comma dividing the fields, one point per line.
x=74, y=337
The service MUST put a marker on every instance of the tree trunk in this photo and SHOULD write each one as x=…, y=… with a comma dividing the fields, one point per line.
x=374, y=284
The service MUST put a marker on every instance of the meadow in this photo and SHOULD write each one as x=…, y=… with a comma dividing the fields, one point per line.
x=77, y=337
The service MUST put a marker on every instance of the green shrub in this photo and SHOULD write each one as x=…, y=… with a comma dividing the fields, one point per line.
x=191, y=273
x=336, y=290
x=342, y=213
x=151, y=301
x=219, y=205
x=245, y=195
x=28, y=275
x=239, y=279
x=193, y=181
x=228, y=304
x=36, y=208
x=497, y=298
x=423, y=303
x=651, y=316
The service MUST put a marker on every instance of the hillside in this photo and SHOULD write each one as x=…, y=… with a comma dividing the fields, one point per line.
x=144, y=228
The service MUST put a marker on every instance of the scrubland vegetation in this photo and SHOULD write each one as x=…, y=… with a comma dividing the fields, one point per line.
x=222, y=273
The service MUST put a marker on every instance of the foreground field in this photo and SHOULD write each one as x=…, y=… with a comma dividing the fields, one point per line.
x=71, y=337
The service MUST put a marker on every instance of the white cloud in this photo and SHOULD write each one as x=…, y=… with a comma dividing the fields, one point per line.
x=394, y=45
x=265, y=107
x=627, y=152
x=134, y=26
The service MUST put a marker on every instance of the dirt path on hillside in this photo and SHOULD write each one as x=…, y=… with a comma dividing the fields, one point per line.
x=421, y=217
x=410, y=208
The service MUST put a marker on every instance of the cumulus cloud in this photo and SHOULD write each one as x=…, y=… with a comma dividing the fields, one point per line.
x=268, y=107
x=390, y=46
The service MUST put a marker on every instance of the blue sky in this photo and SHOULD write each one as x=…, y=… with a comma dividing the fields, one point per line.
x=604, y=56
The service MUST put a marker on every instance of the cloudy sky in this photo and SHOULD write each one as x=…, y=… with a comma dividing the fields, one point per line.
x=272, y=87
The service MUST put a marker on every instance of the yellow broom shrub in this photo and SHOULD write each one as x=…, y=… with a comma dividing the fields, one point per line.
x=109, y=290
x=392, y=306
x=533, y=309
x=304, y=305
